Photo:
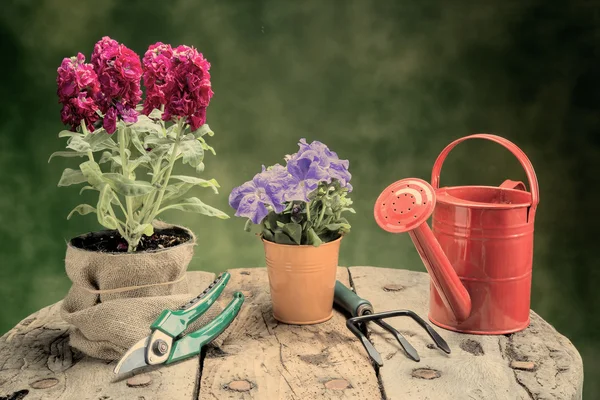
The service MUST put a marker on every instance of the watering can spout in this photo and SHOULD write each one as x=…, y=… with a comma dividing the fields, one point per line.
x=443, y=276
x=405, y=206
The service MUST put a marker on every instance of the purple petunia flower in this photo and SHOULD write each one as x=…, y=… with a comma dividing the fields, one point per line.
x=315, y=163
x=272, y=187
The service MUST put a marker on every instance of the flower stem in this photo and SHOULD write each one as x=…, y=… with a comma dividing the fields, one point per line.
x=165, y=182
x=322, y=214
x=125, y=171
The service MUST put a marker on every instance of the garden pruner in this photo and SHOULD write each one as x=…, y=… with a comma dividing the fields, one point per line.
x=167, y=344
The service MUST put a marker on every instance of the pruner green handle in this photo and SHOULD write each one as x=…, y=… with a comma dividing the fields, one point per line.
x=173, y=323
x=191, y=344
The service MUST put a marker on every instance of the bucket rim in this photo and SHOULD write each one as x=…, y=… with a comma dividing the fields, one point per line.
x=447, y=198
x=300, y=246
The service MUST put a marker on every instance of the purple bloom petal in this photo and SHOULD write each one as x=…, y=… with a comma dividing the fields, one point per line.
x=315, y=163
x=270, y=188
x=251, y=207
x=127, y=113
x=278, y=184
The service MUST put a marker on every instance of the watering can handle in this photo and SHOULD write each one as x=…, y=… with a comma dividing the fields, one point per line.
x=517, y=152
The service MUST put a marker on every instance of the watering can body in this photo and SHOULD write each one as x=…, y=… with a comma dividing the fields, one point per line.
x=491, y=251
x=479, y=251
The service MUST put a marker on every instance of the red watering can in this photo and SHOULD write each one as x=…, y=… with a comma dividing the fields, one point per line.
x=479, y=253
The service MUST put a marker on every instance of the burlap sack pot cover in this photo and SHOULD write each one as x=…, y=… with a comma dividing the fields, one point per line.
x=115, y=297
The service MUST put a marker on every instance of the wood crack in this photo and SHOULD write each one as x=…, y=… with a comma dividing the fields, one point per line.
x=375, y=367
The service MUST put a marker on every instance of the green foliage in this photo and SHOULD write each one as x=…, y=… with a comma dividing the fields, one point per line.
x=135, y=186
x=313, y=223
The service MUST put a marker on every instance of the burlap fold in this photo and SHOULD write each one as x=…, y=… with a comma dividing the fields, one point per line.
x=106, y=305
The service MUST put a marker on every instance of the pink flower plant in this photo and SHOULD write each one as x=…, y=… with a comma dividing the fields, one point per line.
x=103, y=97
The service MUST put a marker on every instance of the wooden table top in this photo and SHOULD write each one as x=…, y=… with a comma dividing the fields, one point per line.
x=263, y=359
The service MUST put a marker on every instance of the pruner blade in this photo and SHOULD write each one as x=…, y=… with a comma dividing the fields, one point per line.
x=134, y=358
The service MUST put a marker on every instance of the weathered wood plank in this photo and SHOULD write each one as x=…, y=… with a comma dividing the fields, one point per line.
x=36, y=360
x=479, y=366
x=263, y=359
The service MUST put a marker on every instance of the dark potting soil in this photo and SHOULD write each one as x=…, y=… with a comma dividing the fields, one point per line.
x=110, y=241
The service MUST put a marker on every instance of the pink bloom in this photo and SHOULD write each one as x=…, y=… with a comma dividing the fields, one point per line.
x=78, y=89
x=178, y=79
x=110, y=120
x=119, y=72
x=158, y=79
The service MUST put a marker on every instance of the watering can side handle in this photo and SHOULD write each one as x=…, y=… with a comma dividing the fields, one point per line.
x=510, y=184
x=510, y=146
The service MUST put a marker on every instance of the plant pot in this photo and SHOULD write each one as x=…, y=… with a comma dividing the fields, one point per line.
x=116, y=296
x=302, y=281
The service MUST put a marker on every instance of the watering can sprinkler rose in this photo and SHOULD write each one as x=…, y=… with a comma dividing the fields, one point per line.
x=125, y=275
x=299, y=209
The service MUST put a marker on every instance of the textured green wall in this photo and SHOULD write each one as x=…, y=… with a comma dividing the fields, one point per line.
x=386, y=84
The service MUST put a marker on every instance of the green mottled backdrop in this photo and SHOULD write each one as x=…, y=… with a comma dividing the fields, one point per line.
x=386, y=84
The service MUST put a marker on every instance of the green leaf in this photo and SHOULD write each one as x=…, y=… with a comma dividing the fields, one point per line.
x=66, y=154
x=338, y=226
x=271, y=220
x=127, y=187
x=203, y=130
x=155, y=140
x=175, y=192
x=97, y=138
x=137, y=143
x=248, y=225
x=155, y=114
x=349, y=209
x=79, y=144
x=92, y=172
x=200, y=167
x=313, y=238
x=71, y=177
x=145, y=124
x=193, y=204
x=66, y=133
x=144, y=229
x=205, y=146
x=294, y=231
x=108, y=156
x=213, y=184
x=268, y=235
x=83, y=189
x=158, y=152
x=82, y=209
x=133, y=164
x=104, y=206
x=282, y=238
x=192, y=152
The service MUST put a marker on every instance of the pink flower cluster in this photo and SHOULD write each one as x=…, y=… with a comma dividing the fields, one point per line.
x=78, y=89
x=178, y=79
x=119, y=72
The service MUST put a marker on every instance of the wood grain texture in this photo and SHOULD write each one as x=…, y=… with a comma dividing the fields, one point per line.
x=479, y=366
x=262, y=359
x=282, y=361
x=36, y=354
